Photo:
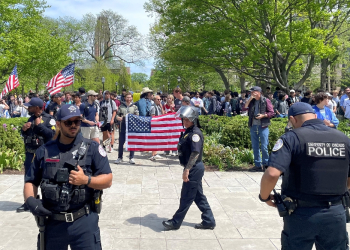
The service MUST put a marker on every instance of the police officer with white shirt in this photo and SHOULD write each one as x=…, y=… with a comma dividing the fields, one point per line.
x=314, y=159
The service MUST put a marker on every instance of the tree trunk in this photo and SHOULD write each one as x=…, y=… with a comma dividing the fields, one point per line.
x=223, y=77
x=242, y=82
x=324, y=73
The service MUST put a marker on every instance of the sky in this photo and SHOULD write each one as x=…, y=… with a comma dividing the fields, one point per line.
x=132, y=10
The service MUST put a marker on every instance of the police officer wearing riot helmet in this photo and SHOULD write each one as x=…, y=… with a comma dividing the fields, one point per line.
x=69, y=171
x=39, y=129
x=190, y=149
x=314, y=159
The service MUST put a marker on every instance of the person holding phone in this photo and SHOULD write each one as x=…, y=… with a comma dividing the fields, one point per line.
x=260, y=111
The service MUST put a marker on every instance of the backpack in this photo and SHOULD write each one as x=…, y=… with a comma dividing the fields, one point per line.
x=218, y=106
x=103, y=115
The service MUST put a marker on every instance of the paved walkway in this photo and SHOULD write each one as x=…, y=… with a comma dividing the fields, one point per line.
x=145, y=194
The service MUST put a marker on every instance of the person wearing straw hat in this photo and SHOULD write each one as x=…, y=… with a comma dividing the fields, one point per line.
x=144, y=104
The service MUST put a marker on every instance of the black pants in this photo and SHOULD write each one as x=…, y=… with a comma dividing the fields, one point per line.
x=82, y=234
x=27, y=162
x=122, y=137
x=193, y=191
x=326, y=227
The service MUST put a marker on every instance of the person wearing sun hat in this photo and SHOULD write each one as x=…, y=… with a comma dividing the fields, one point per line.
x=144, y=104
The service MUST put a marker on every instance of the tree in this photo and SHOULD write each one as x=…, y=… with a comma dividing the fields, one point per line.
x=266, y=40
x=106, y=36
x=32, y=42
x=141, y=78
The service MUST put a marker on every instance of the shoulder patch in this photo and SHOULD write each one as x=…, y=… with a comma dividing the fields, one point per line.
x=278, y=145
x=52, y=122
x=196, y=138
x=102, y=151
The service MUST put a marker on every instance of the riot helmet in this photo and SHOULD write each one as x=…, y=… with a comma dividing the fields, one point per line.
x=189, y=112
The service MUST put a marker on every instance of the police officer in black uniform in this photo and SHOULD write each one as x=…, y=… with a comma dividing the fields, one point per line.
x=314, y=159
x=190, y=149
x=39, y=129
x=70, y=171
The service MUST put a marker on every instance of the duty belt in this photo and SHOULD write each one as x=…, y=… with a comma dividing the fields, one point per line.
x=301, y=203
x=70, y=217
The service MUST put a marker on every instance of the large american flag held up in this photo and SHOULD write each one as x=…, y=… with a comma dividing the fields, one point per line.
x=63, y=79
x=157, y=133
x=11, y=83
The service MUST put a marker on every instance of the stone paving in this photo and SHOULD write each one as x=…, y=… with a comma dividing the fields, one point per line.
x=145, y=194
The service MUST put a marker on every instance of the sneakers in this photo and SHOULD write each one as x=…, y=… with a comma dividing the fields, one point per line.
x=157, y=156
x=174, y=153
x=119, y=160
x=256, y=169
x=152, y=158
x=131, y=161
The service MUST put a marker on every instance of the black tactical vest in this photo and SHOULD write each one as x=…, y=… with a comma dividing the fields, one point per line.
x=184, y=146
x=320, y=171
x=57, y=194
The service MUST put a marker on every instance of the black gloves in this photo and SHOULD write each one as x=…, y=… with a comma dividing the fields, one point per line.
x=36, y=207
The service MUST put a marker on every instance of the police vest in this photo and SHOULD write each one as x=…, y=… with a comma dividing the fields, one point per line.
x=57, y=194
x=33, y=141
x=184, y=146
x=321, y=168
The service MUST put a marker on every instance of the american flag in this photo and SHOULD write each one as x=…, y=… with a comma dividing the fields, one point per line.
x=63, y=79
x=157, y=133
x=11, y=83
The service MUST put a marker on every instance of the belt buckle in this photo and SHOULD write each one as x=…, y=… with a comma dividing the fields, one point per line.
x=69, y=217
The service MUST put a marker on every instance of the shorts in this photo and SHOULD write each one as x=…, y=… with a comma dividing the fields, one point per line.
x=107, y=127
x=90, y=132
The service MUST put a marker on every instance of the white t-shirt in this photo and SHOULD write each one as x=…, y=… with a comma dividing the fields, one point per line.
x=199, y=101
x=346, y=105
x=330, y=105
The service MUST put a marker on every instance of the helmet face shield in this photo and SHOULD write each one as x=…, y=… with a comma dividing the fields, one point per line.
x=188, y=112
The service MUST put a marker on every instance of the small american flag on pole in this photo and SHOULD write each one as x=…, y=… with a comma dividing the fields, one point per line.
x=63, y=79
x=157, y=133
x=11, y=83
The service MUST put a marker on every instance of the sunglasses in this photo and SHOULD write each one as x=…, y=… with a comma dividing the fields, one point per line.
x=158, y=99
x=70, y=123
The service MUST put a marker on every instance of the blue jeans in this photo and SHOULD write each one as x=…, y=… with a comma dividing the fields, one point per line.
x=259, y=135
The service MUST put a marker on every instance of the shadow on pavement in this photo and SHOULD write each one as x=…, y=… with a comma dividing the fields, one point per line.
x=9, y=205
x=152, y=221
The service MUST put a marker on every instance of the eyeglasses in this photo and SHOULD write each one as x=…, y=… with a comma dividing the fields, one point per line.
x=70, y=123
x=158, y=99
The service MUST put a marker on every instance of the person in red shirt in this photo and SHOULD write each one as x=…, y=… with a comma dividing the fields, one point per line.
x=115, y=99
x=169, y=107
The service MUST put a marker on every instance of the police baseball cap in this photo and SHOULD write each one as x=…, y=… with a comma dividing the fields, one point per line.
x=35, y=102
x=256, y=88
x=58, y=95
x=300, y=108
x=68, y=111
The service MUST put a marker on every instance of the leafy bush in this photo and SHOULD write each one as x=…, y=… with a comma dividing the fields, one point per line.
x=12, y=147
x=224, y=157
x=17, y=122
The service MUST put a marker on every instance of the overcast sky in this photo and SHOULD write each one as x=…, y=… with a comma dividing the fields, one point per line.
x=132, y=10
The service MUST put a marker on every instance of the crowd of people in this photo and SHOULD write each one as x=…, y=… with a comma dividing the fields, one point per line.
x=105, y=112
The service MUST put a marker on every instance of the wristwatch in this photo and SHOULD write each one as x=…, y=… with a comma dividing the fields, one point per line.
x=89, y=180
x=261, y=199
